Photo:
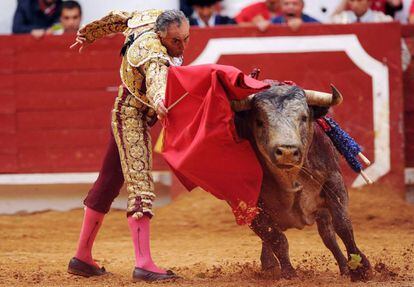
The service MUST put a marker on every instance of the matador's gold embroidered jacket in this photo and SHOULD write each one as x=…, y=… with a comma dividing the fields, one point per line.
x=145, y=63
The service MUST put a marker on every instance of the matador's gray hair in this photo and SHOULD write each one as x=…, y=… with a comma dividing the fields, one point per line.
x=168, y=17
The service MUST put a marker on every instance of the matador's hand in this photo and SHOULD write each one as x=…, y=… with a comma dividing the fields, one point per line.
x=161, y=110
x=80, y=40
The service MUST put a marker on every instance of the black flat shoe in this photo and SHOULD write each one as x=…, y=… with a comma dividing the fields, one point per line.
x=78, y=267
x=140, y=274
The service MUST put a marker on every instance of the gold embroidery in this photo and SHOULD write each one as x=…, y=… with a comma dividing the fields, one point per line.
x=133, y=138
x=143, y=18
x=156, y=75
x=146, y=47
x=146, y=57
x=144, y=74
x=114, y=22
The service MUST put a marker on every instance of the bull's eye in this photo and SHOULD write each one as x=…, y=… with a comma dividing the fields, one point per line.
x=304, y=119
x=259, y=123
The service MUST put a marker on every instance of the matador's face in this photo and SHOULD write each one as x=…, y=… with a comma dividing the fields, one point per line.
x=176, y=39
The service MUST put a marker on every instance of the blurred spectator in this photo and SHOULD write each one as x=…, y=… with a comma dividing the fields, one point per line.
x=36, y=16
x=388, y=7
x=70, y=18
x=411, y=15
x=360, y=12
x=186, y=8
x=259, y=14
x=402, y=15
x=205, y=14
x=292, y=14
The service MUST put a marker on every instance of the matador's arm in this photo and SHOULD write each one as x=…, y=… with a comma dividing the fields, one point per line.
x=156, y=80
x=151, y=58
x=114, y=22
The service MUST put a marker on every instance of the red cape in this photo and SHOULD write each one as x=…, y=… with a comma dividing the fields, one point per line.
x=200, y=141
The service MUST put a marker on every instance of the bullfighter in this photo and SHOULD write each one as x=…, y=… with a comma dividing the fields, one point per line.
x=154, y=41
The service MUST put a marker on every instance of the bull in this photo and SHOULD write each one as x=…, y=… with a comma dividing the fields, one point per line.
x=302, y=180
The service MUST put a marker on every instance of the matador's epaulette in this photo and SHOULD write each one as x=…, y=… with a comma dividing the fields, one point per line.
x=142, y=18
x=146, y=47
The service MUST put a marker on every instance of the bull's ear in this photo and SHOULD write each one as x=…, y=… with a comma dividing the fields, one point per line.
x=318, y=112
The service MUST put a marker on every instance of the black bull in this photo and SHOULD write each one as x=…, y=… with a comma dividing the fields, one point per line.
x=302, y=181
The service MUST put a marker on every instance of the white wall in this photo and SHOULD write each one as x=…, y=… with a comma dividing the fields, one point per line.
x=94, y=9
x=315, y=9
x=7, y=8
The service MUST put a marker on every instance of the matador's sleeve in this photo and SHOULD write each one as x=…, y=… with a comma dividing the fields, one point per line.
x=151, y=58
x=114, y=22
x=156, y=80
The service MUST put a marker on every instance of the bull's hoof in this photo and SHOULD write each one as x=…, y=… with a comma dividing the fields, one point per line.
x=344, y=271
x=269, y=263
x=289, y=273
x=269, y=267
x=272, y=273
x=359, y=268
x=361, y=274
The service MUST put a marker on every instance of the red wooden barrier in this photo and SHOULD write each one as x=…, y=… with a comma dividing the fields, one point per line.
x=55, y=103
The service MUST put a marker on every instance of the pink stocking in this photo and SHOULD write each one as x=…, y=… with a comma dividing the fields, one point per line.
x=92, y=221
x=140, y=232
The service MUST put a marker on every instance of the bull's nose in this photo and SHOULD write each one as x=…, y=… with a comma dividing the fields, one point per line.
x=287, y=154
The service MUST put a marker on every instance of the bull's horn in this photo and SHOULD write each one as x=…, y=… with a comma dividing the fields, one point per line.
x=336, y=96
x=315, y=98
x=242, y=105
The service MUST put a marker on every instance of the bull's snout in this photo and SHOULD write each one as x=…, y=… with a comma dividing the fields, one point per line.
x=286, y=156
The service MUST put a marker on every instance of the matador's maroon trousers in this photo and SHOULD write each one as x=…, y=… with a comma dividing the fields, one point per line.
x=110, y=180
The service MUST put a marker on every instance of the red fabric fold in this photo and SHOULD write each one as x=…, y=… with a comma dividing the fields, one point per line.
x=200, y=141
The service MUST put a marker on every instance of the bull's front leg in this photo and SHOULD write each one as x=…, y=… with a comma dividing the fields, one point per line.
x=265, y=228
x=359, y=265
x=267, y=258
x=337, y=200
x=327, y=233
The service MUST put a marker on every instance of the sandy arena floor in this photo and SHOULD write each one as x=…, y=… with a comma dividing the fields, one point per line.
x=196, y=236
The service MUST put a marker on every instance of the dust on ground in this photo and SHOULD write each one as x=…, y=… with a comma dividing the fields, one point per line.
x=196, y=236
